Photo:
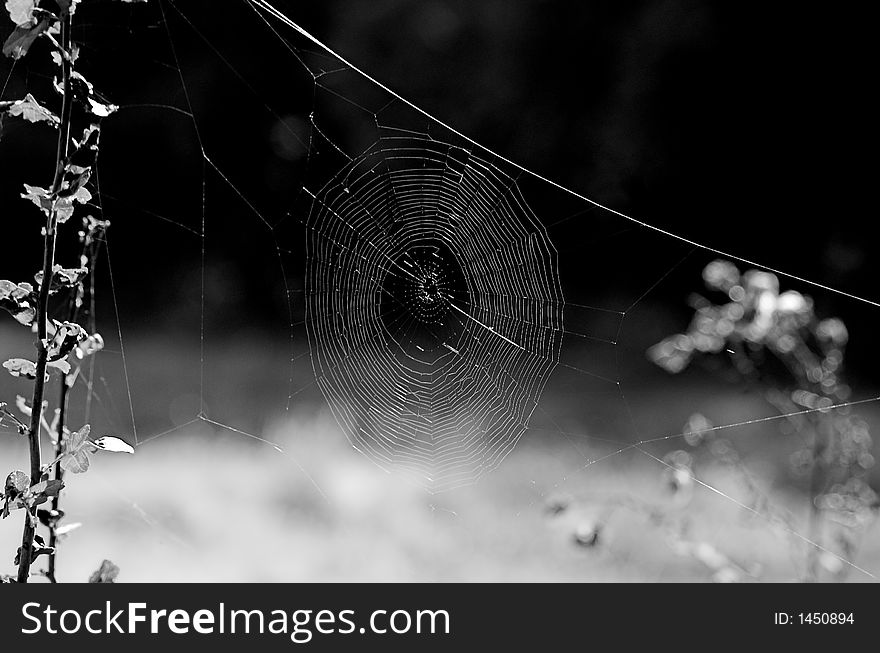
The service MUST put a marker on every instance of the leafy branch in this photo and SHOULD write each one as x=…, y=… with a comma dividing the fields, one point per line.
x=61, y=345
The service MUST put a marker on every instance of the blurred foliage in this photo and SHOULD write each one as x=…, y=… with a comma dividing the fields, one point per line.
x=774, y=341
x=106, y=573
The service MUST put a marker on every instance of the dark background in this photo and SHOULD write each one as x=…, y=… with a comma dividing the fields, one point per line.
x=740, y=125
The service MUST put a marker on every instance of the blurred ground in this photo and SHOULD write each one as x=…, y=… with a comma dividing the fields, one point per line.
x=206, y=504
x=213, y=508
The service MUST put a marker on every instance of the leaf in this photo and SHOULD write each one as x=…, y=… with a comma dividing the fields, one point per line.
x=17, y=483
x=53, y=487
x=115, y=445
x=66, y=336
x=81, y=89
x=75, y=178
x=38, y=487
x=16, y=486
x=77, y=448
x=21, y=11
x=23, y=37
x=65, y=530
x=20, y=494
x=62, y=365
x=63, y=204
x=63, y=277
x=106, y=573
x=71, y=276
x=32, y=111
x=77, y=439
x=41, y=197
x=22, y=405
x=37, y=549
x=64, y=209
x=19, y=300
x=26, y=315
x=86, y=152
x=76, y=463
x=40, y=493
x=101, y=109
x=21, y=367
x=40, y=548
x=74, y=55
x=82, y=195
x=16, y=291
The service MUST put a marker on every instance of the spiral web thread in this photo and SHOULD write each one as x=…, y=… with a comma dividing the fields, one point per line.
x=434, y=308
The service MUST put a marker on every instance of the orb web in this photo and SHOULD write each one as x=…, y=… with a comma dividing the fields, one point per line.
x=434, y=308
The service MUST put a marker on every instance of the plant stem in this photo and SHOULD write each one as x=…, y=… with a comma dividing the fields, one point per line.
x=58, y=476
x=49, y=239
x=72, y=315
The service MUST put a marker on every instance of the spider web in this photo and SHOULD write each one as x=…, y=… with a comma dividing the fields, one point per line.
x=429, y=288
x=434, y=308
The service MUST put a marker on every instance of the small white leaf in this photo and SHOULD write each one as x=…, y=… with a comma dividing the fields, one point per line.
x=23, y=407
x=115, y=445
x=62, y=365
x=74, y=55
x=32, y=111
x=101, y=110
x=82, y=195
x=21, y=367
x=20, y=11
x=67, y=528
